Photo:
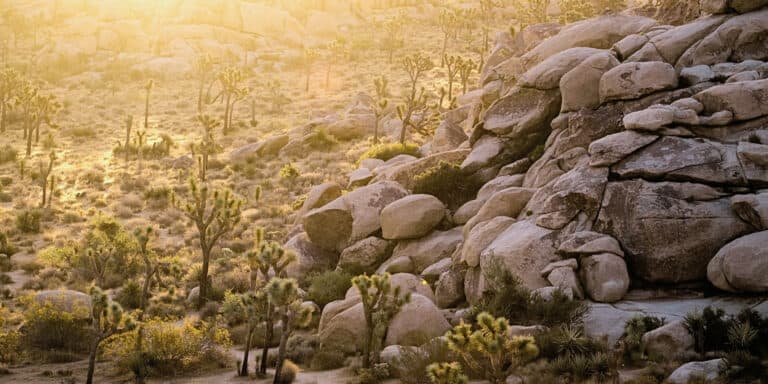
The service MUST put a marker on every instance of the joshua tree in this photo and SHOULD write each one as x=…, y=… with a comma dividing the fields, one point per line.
x=489, y=351
x=575, y=10
x=531, y=11
x=255, y=306
x=207, y=146
x=392, y=39
x=214, y=215
x=45, y=176
x=413, y=114
x=127, y=145
x=203, y=67
x=465, y=68
x=415, y=66
x=107, y=319
x=148, y=89
x=140, y=142
x=26, y=97
x=336, y=50
x=487, y=14
x=231, y=93
x=309, y=56
x=9, y=80
x=267, y=260
x=446, y=373
x=453, y=63
x=152, y=266
x=284, y=294
x=43, y=108
x=449, y=25
x=381, y=302
x=380, y=104
x=276, y=96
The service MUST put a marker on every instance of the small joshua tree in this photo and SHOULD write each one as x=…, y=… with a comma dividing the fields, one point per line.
x=140, y=142
x=46, y=177
x=449, y=26
x=43, y=109
x=465, y=68
x=381, y=302
x=277, y=97
x=531, y=11
x=308, y=58
x=203, y=67
x=415, y=66
x=284, y=294
x=107, y=319
x=214, y=215
x=255, y=306
x=393, y=38
x=127, y=145
x=336, y=50
x=152, y=266
x=446, y=373
x=26, y=97
x=488, y=351
x=380, y=104
x=267, y=261
x=9, y=80
x=414, y=115
x=453, y=64
x=232, y=92
x=206, y=147
x=148, y=88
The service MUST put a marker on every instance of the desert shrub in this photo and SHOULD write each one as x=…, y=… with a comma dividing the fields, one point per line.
x=28, y=220
x=634, y=329
x=449, y=183
x=325, y=359
x=288, y=373
x=510, y=299
x=8, y=154
x=301, y=348
x=328, y=286
x=10, y=345
x=170, y=348
x=289, y=172
x=321, y=140
x=412, y=363
x=93, y=178
x=82, y=132
x=390, y=150
x=6, y=247
x=129, y=295
x=52, y=335
x=158, y=198
x=709, y=329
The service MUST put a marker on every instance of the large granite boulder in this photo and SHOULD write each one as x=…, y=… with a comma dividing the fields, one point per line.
x=309, y=257
x=634, y=80
x=741, y=265
x=411, y=217
x=429, y=249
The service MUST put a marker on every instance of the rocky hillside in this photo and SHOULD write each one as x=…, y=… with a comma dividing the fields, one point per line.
x=618, y=156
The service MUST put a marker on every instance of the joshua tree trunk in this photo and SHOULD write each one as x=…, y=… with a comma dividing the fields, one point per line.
x=204, y=272
x=281, y=349
x=2, y=115
x=328, y=77
x=92, y=360
x=244, y=368
x=368, y=340
x=226, y=114
x=268, y=334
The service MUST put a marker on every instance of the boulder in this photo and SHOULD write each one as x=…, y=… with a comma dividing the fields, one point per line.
x=697, y=74
x=522, y=111
x=744, y=99
x=696, y=371
x=353, y=127
x=342, y=326
x=580, y=87
x=578, y=192
x=650, y=119
x=601, y=32
x=605, y=277
x=359, y=178
x=484, y=151
x=669, y=231
x=742, y=263
x=675, y=158
x=613, y=148
x=515, y=168
x=481, y=236
x=498, y=184
x=589, y=243
x=670, y=341
x=744, y=6
x=433, y=272
x=671, y=44
x=429, y=249
x=625, y=47
x=400, y=264
x=365, y=255
x=411, y=217
x=522, y=250
x=351, y=217
x=753, y=209
x=405, y=172
x=507, y=202
x=467, y=211
x=417, y=322
x=565, y=279
x=450, y=133
x=317, y=197
x=272, y=145
x=738, y=39
x=635, y=80
x=309, y=257
x=449, y=289
x=547, y=74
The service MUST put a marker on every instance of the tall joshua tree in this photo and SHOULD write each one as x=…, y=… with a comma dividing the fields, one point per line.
x=207, y=145
x=231, y=93
x=9, y=80
x=267, y=260
x=43, y=109
x=148, y=88
x=335, y=50
x=453, y=64
x=465, y=68
x=449, y=24
x=203, y=67
x=284, y=294
x=45, y=176
x=309, y=57
x=214, y=215
x=380, y=104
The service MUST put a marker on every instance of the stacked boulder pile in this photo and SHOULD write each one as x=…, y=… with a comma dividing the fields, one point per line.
x=616, y=153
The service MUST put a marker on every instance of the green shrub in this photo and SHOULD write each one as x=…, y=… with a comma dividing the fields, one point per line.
x=328, y=286
x=321, y=140
x=411, y=365
x=28, y=220
x=326, y=359
x=50, y=334
x=634, y=329
x=709, y=329
x=389, y=151
x=6, y=247
x=301, y=348
x=449, y=183
x=8, y=154
x=289, y=172
x=170, y=348
x=10, y=346
x=510, y=299
x=130, y=295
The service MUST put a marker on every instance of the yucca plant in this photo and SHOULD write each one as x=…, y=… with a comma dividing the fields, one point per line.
x=446, y=373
